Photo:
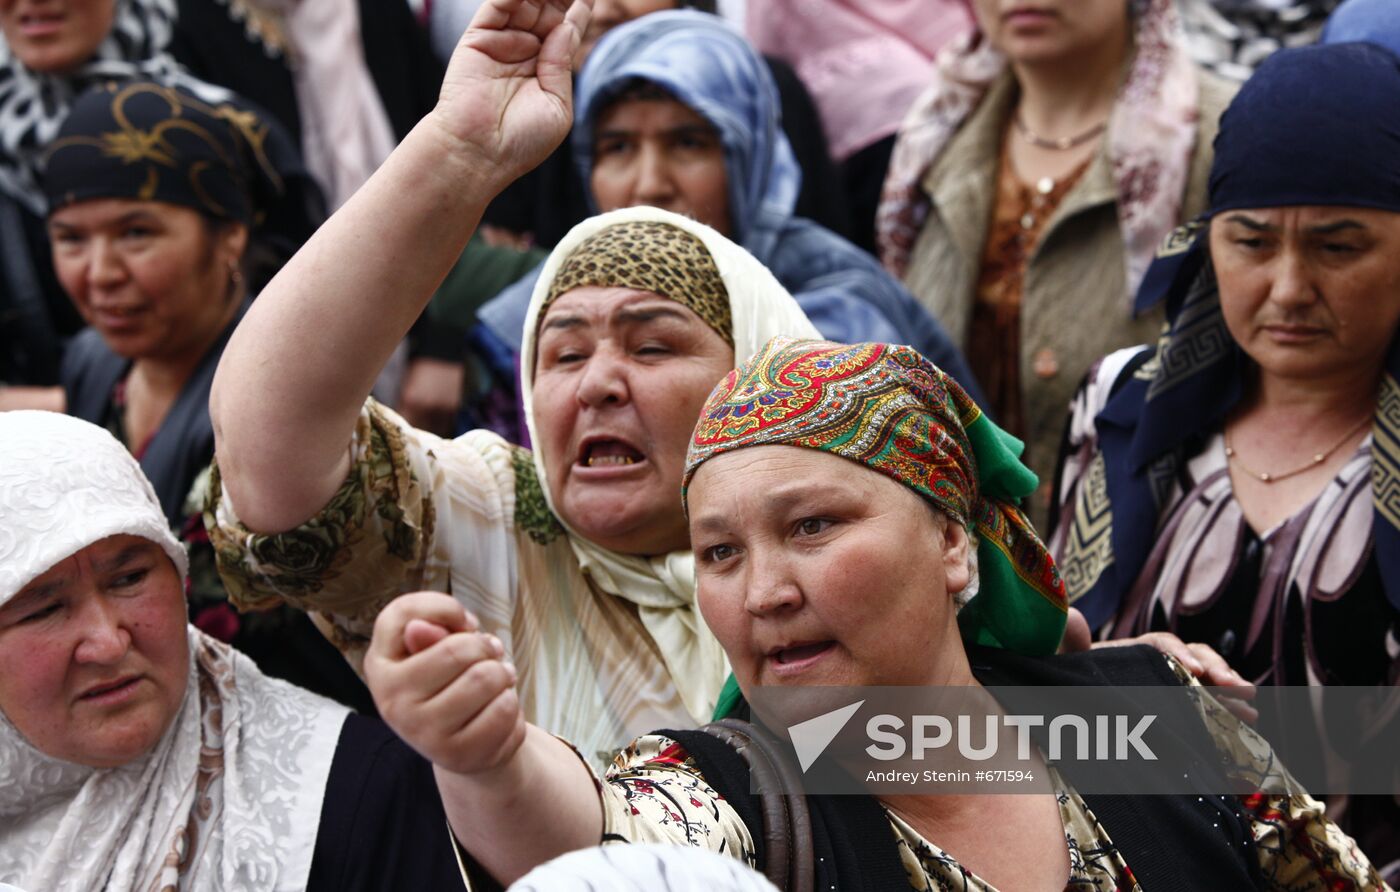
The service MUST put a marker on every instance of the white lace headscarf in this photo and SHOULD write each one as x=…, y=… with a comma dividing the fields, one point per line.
x=663, y=586
x=230, y=797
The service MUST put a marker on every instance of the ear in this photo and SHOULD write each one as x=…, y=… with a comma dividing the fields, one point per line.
x=232, y=242
x=957, y=546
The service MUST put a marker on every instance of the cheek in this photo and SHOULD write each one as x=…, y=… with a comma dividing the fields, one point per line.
x=706, y=186
x=32, y=670
x=611, y=183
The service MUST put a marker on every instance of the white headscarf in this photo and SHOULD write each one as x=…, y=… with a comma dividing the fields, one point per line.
x=663, y=586
x=643, y=868
x=230, y=798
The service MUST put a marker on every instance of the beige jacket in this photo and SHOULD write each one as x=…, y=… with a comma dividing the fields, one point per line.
x=1075, y=306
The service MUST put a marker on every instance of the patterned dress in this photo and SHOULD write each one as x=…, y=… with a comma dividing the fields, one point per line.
x=654, y=792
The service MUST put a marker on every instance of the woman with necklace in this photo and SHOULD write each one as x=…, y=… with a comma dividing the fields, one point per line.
x=1030, y=185
x=1234, y=484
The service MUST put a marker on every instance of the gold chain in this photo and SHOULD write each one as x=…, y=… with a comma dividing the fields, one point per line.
x=1317, y=459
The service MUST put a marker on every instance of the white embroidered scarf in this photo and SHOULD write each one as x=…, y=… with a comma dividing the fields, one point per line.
x=663, y=586
x=230, y=798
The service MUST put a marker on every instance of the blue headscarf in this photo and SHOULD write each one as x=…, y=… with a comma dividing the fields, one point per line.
x=710, y=68
x=1365, y=21
x=1314, y=126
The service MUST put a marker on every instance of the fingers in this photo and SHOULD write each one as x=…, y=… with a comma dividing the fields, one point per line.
x=556, y=64
x=419, y=635
x=433, y=607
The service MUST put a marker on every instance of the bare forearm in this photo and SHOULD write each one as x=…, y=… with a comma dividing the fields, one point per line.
x=300, y=365
x=542, y=804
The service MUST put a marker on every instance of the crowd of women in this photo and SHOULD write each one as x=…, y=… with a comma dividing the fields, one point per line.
x=401, y=455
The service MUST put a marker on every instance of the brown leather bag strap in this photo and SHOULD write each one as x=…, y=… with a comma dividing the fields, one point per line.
x=789, y=858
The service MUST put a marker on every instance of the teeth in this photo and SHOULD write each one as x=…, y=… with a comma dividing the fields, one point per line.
x=596, y=460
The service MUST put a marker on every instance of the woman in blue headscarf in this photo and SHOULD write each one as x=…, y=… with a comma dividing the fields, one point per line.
x=1237, y=483
x=710, y=86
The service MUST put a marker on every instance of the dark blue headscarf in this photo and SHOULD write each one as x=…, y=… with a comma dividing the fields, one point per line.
x=1314, y=126
x=711, y=69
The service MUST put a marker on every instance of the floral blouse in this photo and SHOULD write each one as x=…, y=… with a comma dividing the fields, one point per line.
x=654, y=792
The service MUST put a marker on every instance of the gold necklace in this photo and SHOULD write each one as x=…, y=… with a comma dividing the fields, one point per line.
x=1317, y=459
x=1064, y=143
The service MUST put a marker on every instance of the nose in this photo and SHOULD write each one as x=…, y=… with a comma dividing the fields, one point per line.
x=105, y=269
x=604, y=379
x=1292, y=286
x=654, y=185
x=103, y=639
x=771, y=586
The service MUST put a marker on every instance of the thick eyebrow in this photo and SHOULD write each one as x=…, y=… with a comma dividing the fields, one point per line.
x=563, y=323
x=612, y=133
x=691, y=129
x=123, y=557
x=644, y=314
x=1339, y=226
x=1251, y=223
x=777, y=501
x=128, y=217
x=1323, y=229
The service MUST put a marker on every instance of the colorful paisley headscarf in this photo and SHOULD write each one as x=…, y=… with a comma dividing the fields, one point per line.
x=891, y=410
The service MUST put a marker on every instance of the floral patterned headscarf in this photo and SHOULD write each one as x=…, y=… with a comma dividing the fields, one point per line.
x=891, y=410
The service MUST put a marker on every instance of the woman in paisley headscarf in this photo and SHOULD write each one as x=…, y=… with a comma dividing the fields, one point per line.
x=155, y=197
x=51, y=53
x=1235, y=483
x=676, y=110
x=1030, y=183
x=837, y=496
x=137, y=753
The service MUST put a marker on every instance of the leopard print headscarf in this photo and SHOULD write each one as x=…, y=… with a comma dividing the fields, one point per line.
x=650, y=256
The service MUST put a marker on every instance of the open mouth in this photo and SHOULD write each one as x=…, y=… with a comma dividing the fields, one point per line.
x=797, y=653
x=608, y=453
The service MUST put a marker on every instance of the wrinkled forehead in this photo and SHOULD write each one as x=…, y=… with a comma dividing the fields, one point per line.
x=1312, y=219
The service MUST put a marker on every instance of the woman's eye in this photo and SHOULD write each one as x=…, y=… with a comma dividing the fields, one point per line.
x=1250, y=243
x=1339, y=248
x=610, y=147
x=36, y=615
x=718, y=553
x=130, y=578
x=653, y=350
x=811, y=526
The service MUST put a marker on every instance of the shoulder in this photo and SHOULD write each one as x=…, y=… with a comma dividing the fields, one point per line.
x=90, y=370
x=532, y=514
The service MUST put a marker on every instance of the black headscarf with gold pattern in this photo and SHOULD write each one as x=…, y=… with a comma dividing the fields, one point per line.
x=146, y=141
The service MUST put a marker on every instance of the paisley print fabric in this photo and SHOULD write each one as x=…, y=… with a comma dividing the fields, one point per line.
x=650, y=256
x=888, y=408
